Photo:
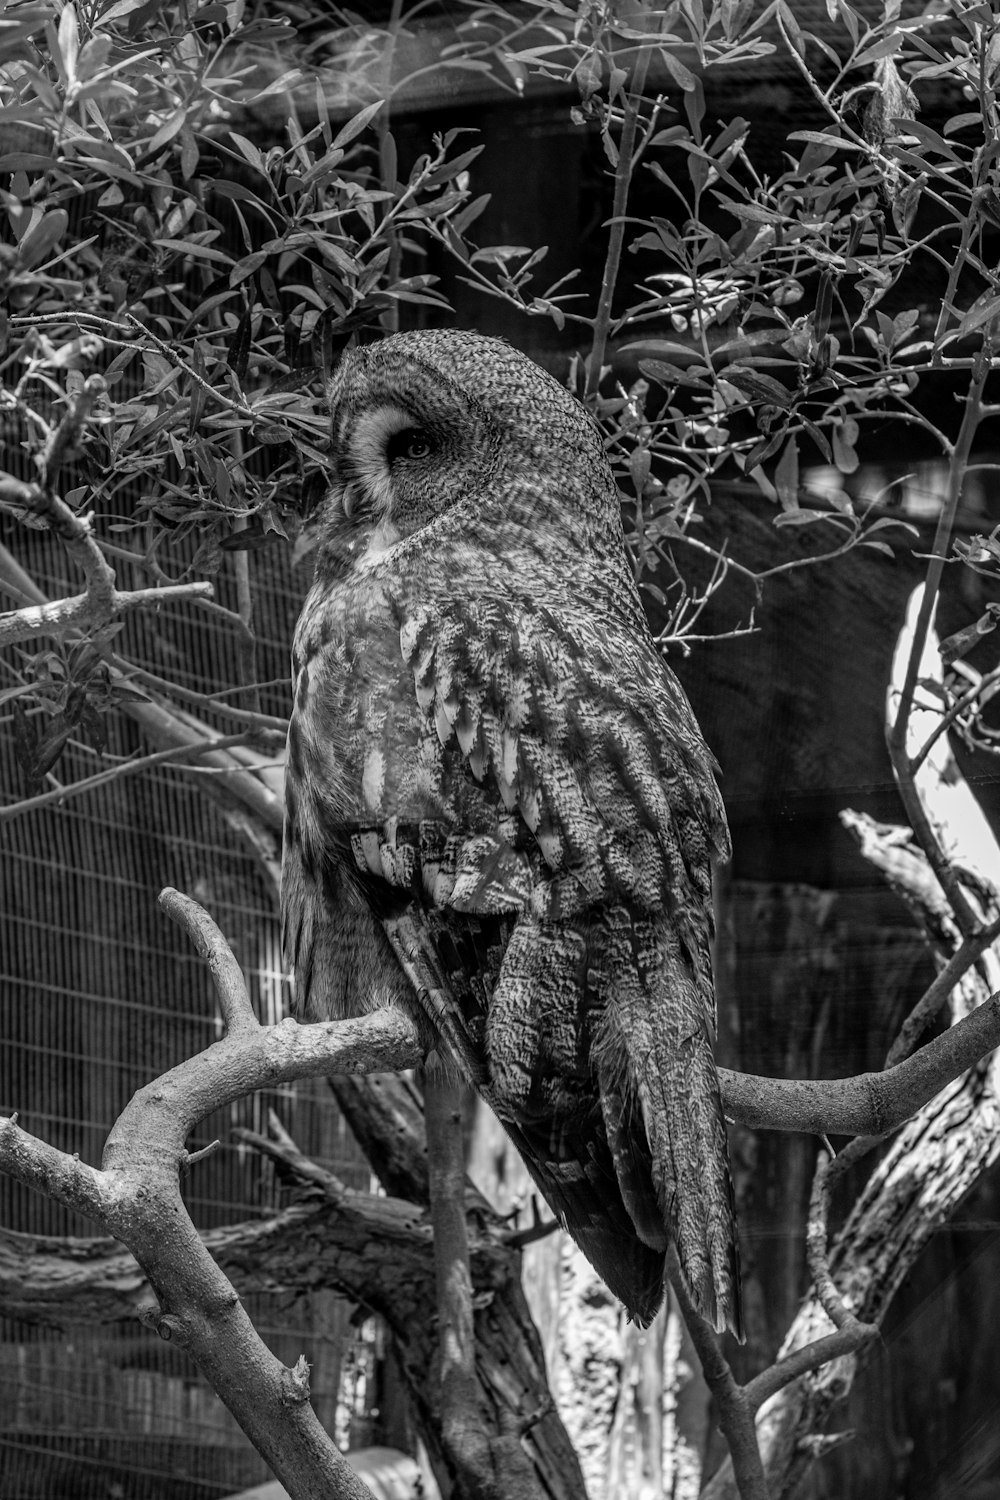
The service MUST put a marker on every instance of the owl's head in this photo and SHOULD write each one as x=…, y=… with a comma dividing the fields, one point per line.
x=443, y=422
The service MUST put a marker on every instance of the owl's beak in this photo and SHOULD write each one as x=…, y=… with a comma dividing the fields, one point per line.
x=349, y=499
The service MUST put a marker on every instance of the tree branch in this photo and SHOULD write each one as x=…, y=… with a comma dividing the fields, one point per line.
x=940, y=1151
x=377, y=1250
x=735, y=1413
x=101, y=602
x=91, y=610
x=869, y=1103
x=180, y=755
x=136, y=1197
x=915, y=644
x=624, y=171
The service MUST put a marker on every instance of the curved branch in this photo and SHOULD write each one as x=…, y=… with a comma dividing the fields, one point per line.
x=377, y=1249
x=136, y=1196
x=227, y=976
x=837, y=1345
x=869, y=1103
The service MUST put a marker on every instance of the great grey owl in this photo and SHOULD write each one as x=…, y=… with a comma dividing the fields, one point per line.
x=500, y=811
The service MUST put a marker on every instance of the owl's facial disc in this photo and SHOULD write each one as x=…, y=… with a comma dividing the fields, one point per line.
x=381, y=446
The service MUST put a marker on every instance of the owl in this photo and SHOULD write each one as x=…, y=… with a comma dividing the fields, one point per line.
x=500, y=812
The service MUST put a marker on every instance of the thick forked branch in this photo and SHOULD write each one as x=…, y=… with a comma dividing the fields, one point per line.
x=379, y=1250
x=135, y=1197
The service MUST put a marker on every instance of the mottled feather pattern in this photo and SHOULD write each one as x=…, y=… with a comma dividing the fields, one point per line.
x=499, y=801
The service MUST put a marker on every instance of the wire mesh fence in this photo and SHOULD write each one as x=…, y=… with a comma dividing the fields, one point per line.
x=99, y=993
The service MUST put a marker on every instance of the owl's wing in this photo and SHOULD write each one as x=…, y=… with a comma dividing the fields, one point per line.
x=609, y=818
x=535, y=835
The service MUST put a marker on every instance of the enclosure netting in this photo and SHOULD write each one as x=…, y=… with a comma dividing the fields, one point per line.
x=99, y=993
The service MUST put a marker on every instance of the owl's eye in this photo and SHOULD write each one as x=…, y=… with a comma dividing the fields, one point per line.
x=411, y=442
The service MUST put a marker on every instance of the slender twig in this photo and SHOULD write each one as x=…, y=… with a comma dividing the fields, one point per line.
x=735, y=1412
x=280, y=1146
x=897, y=737
x=169, y=352
x=987, y=681
x=234, y=622
x=211, y=700
x=386, y=154
x=817, y=1236
x=179, y=753
x=616, y=238
x=936, y=996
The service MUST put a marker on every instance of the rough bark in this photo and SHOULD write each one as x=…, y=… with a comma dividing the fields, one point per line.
x=386, y=1118
x=941, y=1152
x=380, y=1253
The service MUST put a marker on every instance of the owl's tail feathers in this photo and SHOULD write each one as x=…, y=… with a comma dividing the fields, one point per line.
x=684, y=1195
x=578, y=1183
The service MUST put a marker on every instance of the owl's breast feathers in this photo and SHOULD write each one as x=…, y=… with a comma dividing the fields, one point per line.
x=507, y=806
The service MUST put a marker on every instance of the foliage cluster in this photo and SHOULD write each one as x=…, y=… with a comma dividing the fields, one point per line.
x=210, y=277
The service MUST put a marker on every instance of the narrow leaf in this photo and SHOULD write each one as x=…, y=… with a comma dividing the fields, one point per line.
x=356, y=124
x=43, y=238
x=786, y=475
x=238, y=353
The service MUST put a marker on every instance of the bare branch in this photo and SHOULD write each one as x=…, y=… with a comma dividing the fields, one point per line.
x=136, y=1197
x=227, y=976
x=937, y=995
x=869, y=1103
x=832, y=1302
x=280, y=1146
x=735, y=1412
x=180, y=755
x=48, y=1170
x=804, y=1361
x=91, y=610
